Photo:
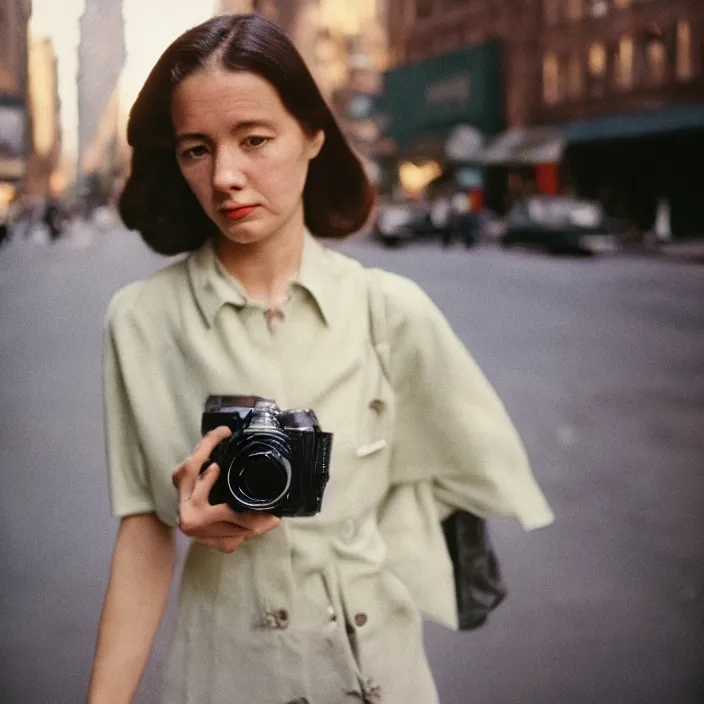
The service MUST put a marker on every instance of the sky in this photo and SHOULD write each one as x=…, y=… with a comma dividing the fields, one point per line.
x=150, y=26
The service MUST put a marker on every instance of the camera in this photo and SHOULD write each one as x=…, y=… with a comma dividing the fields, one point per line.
x=275, y=461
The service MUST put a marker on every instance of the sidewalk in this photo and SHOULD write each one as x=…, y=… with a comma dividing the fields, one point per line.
x=690, y=251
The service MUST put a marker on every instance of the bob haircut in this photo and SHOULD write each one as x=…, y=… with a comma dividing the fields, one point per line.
x=156, y=199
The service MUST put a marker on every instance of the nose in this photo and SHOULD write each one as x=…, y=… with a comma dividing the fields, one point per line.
x=228, y=173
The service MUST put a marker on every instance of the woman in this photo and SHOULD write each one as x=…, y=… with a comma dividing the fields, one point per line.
x=238, y=161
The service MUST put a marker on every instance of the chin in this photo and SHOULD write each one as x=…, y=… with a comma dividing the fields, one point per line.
x=242, y=233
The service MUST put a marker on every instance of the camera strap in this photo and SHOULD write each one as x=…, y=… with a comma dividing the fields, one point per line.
x=377, y=322
x=479, y=586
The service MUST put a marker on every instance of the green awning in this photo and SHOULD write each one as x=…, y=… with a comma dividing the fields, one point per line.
x=431, y=97
x=642, y=124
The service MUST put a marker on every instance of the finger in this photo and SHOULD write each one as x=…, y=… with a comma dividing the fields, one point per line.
x=177, y=473
x=192, y=522
x=258, y=523
x=227, y=545
x=184, y=483
x=254, y=522
x=204, y=483
x=208, y=443
x=224, y=530
x=186, y=475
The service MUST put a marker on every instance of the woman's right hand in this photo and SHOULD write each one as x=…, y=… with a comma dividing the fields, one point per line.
x=214, y=526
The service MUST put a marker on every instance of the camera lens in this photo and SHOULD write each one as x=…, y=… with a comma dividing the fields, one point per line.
x=259, y=476
x=263, y=477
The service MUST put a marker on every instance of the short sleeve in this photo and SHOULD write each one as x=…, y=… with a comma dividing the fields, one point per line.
x=129, y=487
x=451, y=427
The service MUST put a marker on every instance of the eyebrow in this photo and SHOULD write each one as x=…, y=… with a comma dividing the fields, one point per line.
x=243, y=125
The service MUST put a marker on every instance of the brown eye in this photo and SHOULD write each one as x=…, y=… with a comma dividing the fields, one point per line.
x=254, y=141
x=196, y=152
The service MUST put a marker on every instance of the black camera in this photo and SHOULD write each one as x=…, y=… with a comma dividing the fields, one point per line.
x=274, y=461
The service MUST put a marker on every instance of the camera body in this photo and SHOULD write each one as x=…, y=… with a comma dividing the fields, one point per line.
x=275, y=461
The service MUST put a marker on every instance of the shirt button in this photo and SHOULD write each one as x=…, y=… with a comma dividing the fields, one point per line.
x=276, y=619
x=377, y=405
x=360, y=619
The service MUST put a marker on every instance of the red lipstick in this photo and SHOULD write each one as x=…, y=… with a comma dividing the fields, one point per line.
x=238, y=213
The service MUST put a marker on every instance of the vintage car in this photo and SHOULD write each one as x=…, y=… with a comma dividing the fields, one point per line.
x=561, y=224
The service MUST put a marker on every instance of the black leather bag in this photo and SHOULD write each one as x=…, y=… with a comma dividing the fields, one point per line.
x=479, y=586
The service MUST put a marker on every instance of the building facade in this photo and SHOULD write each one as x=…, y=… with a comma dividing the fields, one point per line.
x=618, y=56
x=101, y=58
x=15, y=128
x=474, y=70
x=601, y=98
x=422, y=29
x=624, y=81
x=43, y=108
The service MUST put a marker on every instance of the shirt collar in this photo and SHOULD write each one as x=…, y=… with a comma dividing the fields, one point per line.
x=213, y=287
x=316, y=276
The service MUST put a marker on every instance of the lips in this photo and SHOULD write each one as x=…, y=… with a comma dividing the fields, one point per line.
x=239, y=212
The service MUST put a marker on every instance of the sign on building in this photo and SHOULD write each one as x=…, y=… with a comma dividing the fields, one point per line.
x=435, y=95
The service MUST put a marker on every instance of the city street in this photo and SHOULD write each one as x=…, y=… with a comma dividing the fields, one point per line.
x=601, y=365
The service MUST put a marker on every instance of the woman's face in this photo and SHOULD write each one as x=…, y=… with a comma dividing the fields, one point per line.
x=243, y=154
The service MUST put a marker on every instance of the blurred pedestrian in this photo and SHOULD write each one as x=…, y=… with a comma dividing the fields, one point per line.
x=52, y=218
x=460, y=219
x=663, y=219
x=237, y=161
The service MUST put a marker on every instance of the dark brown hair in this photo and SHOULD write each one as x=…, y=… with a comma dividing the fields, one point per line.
x=156, y=199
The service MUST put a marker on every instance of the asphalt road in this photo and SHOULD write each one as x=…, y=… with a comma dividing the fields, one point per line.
x=601, y=364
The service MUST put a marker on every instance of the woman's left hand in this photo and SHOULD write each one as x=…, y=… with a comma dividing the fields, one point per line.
x=214, y=526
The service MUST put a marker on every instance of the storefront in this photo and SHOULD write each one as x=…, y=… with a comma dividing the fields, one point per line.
x=639, y=163
x=439, y=112
x=523, y=161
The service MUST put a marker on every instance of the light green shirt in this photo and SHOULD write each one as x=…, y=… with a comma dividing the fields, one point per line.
x=321, y=607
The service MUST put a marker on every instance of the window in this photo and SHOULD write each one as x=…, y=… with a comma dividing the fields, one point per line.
x=596, y=69
x=424, y=8
x=575, y=10
x=551, y=79
x=685, y=69
x=624, y=63
x=597, y=8
x=575, y=77
x=659, y=53
x=657, y=62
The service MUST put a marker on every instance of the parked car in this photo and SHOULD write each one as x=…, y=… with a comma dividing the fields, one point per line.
x=561, y=224
x=398, y=221
x=450, y=208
